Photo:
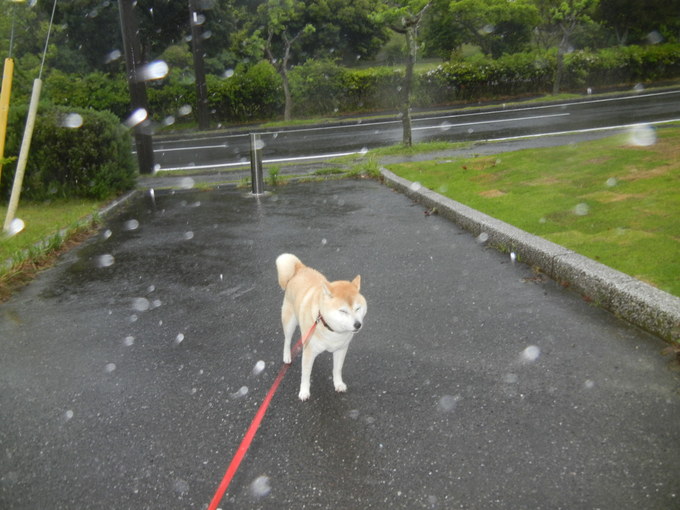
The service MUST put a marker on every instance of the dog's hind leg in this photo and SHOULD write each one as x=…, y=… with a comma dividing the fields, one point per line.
x=289, y=322
x=338, y=361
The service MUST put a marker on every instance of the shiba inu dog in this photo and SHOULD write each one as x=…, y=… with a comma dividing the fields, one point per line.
x=337, y=307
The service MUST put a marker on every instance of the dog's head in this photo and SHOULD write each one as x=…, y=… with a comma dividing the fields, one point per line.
x=342, y=306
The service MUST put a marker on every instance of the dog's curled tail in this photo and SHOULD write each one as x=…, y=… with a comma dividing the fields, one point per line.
x=287, y=265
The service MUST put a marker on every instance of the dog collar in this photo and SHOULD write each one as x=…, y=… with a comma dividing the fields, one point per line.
x=321, y=319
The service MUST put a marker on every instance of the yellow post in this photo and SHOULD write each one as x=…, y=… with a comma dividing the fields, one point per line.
x=4, y=104
x=23, y=153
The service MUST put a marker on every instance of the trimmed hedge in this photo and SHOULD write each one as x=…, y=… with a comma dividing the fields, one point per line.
x=92, y=159
x=321, y=87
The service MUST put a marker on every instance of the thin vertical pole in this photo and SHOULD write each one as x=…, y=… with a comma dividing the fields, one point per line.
x=256, y=171
x=5, y=94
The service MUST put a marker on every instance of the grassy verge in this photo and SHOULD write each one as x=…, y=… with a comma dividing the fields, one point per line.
x=50, y=229
x=613, y=200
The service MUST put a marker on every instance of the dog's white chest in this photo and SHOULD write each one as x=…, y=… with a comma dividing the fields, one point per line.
x=331, y=342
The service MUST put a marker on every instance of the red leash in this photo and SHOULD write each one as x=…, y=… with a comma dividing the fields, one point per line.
x=254, y=425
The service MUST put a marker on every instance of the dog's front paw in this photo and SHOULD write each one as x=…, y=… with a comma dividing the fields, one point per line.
x=303, y=395
x=286, y=358
x=340, y=387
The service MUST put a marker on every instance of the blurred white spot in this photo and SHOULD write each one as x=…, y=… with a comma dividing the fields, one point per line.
x=324, y=241
x=72, y=120
x=482, y=238
x=156, y=303
x=363, y=151
x=448, y=403
x=110, y=367
x=68, y=415
x=654, y=37
x=639, y=87
x=228, y=73
x=531, y=353
x=589, y=384
x=15, y=226
x=510, y=378
x=169, y=120
x=487, y=29
x=113, y=55
x=415, y=186
x=589, y=91
x=105, y=260
x=260, y=487
x=354, y=414
x=106, y=234
x=181, y=486
x=140, y=304
x=259, y=144
x=581, y=209
x=131, y=225
x=136, y=118
x=445, y=126
x=187, y=183
x=179, y=338
x=258, y=368
x=184, y=110
x=128, y=341
x=642, y=135
x=611, y=182
x=188, y=235
x=151, y=288
x=153, y=71
x=242, y=392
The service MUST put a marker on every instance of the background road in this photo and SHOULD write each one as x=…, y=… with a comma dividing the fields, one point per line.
x=126, y=371
x=224, y=150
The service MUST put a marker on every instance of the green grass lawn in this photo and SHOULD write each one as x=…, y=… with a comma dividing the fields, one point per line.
x=610, y=199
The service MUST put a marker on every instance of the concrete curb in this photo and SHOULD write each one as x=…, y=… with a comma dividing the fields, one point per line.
x=628, y=298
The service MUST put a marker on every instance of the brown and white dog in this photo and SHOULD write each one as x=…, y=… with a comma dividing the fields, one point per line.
x=338, y=307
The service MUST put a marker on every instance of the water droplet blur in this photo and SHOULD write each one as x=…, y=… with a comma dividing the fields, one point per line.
x=187, y=183
x=184, y=110
x=260, y=487
x=258, y=368
x=15, y=226
x=179, y=338
x=110, y=367
x=324, y=241
x=72, y=121
x=153, y=71
x=581, y=209
x=259, y=144
x=611, y=182
x=354, y=414
x=639, y=87
x=589, y=384
x=531, y=353
x=129, y=341
x=642, y=135
x=415, y=186
x=242, y=392
x=654, y=37
x=445, y=126
x=448, y=403
x=68, y=415
x=363, y=151
x=181, y=486
x=112, y=56
x=228, y=73
x=513, y=257
x=140, y=304
x=105, y=260
x=188, y=235
x=106, y=234
x=136, y=118
x=131, y=225
x=482, y=238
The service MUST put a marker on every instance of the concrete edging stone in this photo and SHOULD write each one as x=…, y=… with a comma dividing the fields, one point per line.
x=637, y=302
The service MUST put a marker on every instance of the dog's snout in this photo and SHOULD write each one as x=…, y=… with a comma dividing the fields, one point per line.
x=357, y=326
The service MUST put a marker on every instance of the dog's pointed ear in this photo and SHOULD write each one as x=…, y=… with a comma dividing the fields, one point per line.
x=326, y=291
x=357, y=282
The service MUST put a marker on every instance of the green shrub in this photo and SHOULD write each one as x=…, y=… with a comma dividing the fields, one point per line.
x=317, y=87
x=91, y=160
x=99, y=91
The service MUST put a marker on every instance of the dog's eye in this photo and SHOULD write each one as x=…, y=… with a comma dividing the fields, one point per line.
x=357, y=308
x=344, y=310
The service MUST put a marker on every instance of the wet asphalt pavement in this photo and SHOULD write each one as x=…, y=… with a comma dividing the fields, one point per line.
x=126, y=371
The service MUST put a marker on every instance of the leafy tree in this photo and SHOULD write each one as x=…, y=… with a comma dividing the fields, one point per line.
x=633, y=21
x=405, y=17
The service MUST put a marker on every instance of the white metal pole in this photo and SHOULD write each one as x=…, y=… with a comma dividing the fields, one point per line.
x=23, y=154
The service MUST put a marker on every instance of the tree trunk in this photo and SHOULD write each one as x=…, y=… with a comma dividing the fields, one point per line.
x=288, y=98
x=559, y=71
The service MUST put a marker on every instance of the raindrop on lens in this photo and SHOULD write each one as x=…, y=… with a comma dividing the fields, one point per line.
x=110, y=367
x=258, y=368
x=242, y=392
x=15, y=226
x=260, y=487
x=131, y=225
x=581, y=209
x=642, y=135
x=105, y=260
x=513, y=257
x=140, y=304
x=128, y=341
x=179, y=338
x=72, y=120
x=187, y=183
x=114, y=55
x=482, y=238
x=611, y=182
x=415, y=186
x=448, y=403
x=531, y=353
x=184, y=110
x=68, y=415
x=363, y=151
x=153, y=71
x=136, y=118
x=228, y=73
x=188, y=235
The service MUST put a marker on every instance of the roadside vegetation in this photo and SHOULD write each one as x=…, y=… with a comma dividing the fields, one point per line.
x=614, y=200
